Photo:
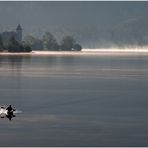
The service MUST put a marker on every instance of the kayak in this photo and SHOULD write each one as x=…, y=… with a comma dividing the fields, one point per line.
x=5, y=113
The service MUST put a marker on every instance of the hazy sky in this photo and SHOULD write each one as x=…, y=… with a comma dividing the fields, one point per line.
x=39, y=16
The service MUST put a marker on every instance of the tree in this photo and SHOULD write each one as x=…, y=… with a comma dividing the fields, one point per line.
x=13, y=41
x=77, y=47
x=50, y=42
x=34, y=43
x=27, y=48
x=67, y=43
x=1, y=44
x=15, y=46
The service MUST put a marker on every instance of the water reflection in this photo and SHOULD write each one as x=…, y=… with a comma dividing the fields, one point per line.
x=9, y=116
x=11, y=70
x=74, y=101
x=15, y=61
x=57, y=60
x=68, y=59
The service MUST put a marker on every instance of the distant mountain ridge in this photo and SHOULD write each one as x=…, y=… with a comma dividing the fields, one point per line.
x=131, y=32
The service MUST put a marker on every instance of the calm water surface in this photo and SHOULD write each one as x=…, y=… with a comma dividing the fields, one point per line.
x=75, y=100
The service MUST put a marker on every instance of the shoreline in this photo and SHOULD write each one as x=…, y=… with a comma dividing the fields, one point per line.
x=95, y=52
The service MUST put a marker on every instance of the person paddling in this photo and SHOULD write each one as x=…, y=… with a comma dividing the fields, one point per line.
x=10, y=109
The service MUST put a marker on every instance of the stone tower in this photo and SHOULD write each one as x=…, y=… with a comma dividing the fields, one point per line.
x=19, y=33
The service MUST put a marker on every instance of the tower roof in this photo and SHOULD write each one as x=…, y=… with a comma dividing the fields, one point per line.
x=19, y=27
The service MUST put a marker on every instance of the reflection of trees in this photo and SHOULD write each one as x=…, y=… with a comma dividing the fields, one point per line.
x=12, y=61
x=51, y=60
x=67, y=59
x=2, y=58
x=60, y=60
x=15, y=62
x=15, y=67
x=56, y=63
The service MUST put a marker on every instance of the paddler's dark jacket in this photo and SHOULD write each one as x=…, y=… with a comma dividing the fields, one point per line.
x=9, y=108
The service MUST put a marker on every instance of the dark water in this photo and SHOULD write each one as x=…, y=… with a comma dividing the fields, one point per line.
x=75, y=100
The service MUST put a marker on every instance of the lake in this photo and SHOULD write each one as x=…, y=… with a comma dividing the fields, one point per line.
x=75, y=100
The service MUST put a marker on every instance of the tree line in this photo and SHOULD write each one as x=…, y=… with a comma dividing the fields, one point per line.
x=14, y=46
x=49, y=42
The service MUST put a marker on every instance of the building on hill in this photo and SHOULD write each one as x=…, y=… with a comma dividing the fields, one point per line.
x=7, y=35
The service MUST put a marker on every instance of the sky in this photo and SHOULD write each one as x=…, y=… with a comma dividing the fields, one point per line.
x=39, y=15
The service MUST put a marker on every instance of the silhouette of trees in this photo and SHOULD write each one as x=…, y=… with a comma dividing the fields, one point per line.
x=15, y=46
x=1, y=44
x=67, y=43
x=77, y=47
x=50, y=42
x=34, y=43
x=27, y=48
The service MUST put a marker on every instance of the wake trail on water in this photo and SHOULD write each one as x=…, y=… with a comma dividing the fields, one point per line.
x=17, y=111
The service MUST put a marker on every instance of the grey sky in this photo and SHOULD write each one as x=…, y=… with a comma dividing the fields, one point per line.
x=36, y=17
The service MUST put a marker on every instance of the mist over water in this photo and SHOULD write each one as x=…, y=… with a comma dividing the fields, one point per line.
x=75, y=100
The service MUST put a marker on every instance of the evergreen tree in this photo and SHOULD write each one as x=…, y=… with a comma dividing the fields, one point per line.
x=33, y=43
x=15, y=46
x=50, y=42
x=77, y=47
x=1, y=44
x=67, y=43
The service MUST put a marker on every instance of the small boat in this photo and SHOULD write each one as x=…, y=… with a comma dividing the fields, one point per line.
x=9, y=114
